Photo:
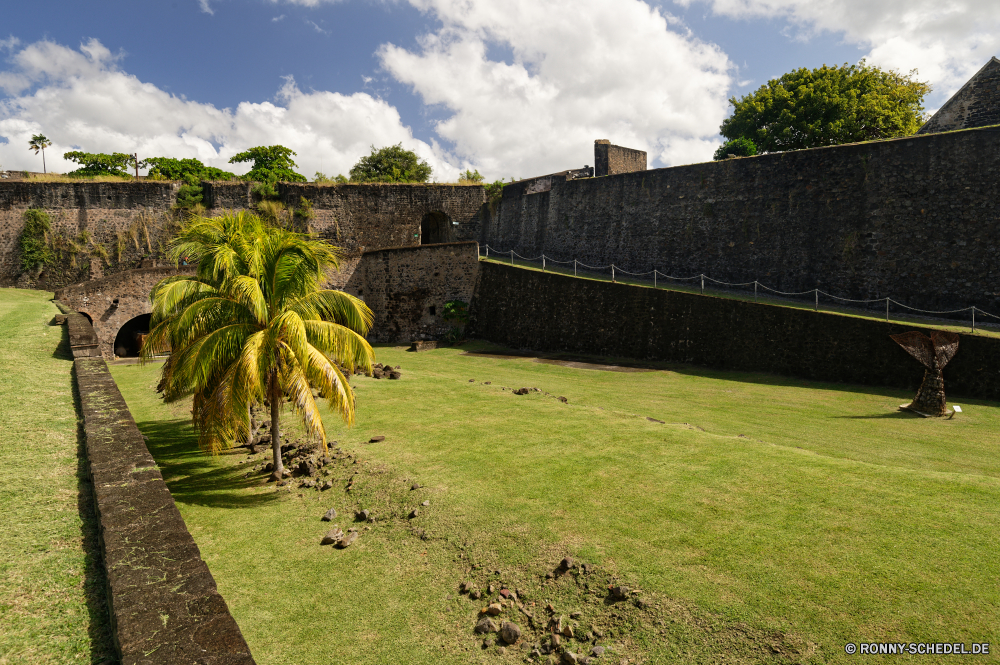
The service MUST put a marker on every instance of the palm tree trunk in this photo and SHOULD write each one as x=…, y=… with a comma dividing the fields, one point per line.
x=249, y=425
x=279, y=468
x=43, y=161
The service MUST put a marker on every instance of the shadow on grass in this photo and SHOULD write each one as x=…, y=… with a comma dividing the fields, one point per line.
x=892, y=415
x=95, y=584
x=195, y=477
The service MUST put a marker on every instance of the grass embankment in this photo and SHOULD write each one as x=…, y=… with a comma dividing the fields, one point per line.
x=766, y=519
x=52, y=607
x=986, y=325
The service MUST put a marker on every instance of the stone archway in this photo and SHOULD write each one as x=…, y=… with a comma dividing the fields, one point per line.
x=435, y=228
x=130, y=336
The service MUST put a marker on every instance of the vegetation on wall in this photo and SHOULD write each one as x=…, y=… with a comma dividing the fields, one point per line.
x=471, y=177
x=391, y=164
x=271, y=164
x=494, y=191
x=739, y=147
x=34, y=245
x=809, y=108
x=168, y=168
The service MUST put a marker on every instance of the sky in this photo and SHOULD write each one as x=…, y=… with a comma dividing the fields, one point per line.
x=511, y=88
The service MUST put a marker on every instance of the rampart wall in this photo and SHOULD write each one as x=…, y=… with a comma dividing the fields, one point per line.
x=528, y=309
x=913, y=218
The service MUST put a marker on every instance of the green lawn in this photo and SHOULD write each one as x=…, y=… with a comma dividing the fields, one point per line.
x=52, y=607
x=766, y=519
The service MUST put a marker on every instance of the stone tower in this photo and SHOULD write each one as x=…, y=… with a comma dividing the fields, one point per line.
x=976, y=104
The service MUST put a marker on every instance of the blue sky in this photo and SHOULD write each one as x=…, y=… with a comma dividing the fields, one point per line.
x=512, y=87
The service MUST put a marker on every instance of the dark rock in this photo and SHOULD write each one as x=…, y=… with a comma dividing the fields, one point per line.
x=586, y=568
x=563, y=400
x=566, y=564
x=282, y=483
x=395, y=376
x=472, y=380
x=550, y=608
x=286, y=473
x=619, y=592
x=598, y=633
x=332, y=536
x=501, y=650
x=569, y=658
x=327, y=485
x=492, y=589
x=362, y=515
x=641, y=603
x=415, y=486
x=347, y=540
x=575, y=615
x=486, y=383
x=505, y=593
x=329, y=515
x=597, y=651
x=488, y=642
x=465, y=587
x=521, y=391
x=414, y=513
x=475, y=594
x=510, y=632
x=376, y=439
x=486, y=625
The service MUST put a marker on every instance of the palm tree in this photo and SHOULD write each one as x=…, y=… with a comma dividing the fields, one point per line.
x=39, y=142
x=253, y=326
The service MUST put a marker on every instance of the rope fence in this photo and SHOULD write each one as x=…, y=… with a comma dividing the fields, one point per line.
x=759, y=290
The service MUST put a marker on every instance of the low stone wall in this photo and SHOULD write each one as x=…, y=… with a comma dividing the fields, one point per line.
x=165, y=608
x=527, y=309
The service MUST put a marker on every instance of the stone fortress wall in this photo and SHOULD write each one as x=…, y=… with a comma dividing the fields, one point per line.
x=914, y=218
x=613, y=159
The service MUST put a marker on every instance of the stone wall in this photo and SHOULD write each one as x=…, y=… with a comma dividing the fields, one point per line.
x=914, y=218
x=976, y=104
x=97, y=299
x=528, y=309
x=407, y=287
x=103, y=211
x=164, y=604
x=612, y=159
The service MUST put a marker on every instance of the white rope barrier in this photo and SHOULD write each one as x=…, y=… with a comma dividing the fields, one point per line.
x=756, y=285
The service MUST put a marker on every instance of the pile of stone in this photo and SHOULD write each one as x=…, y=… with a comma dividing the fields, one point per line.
x=338, y=538
x=380, y=371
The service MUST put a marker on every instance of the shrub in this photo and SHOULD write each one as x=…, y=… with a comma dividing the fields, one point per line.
x=740, y=147
x=35, y=250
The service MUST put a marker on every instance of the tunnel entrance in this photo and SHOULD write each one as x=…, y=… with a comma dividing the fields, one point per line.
x=86, y=316
x=130, y=336
x=434, y=228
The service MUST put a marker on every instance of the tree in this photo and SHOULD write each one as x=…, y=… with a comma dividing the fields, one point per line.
x=391, y=164
x=741, y=147
x=100, y=163
x=272, y=163
x=191, y=170
x=828, y=106
x=39, y=142
x=253, y=326
x=471, y=177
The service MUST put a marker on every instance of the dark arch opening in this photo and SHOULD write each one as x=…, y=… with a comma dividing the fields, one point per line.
x=130, y=336
x=87, y=316
x=434, y=228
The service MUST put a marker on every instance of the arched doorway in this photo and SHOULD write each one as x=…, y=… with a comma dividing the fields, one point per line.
x=130, y=336
x=86, y=316
x=434, y=228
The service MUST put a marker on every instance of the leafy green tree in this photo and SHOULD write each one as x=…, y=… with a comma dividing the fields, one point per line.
x=494, y=190
x=189, y=170
x=271, y=164
x=741, y=147
x=471, y=177
x=808, y=108
x=39, y=142
x=391, y=164
x=253, y=326
x=99, y=163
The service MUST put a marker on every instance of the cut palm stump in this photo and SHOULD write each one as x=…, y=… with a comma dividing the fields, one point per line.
x=933, y=352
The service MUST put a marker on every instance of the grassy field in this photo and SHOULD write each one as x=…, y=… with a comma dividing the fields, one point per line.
x=51, y=586
x=765, y=519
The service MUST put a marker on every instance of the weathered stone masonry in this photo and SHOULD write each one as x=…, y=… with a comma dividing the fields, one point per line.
x=528, y=309
x=914, y=218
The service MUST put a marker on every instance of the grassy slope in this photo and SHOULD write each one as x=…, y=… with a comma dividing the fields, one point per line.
x=764, y=510
x=51, y=592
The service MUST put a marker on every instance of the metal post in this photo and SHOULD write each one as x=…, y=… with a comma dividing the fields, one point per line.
x=973, y=318
x=755, y=290
x=487, y=251
x=816, y=307
x=612, y=272
x=887, y=310
x=574, y=267
x=543, y=263
x=654, y=279
x=512, y=257
x=703, y=283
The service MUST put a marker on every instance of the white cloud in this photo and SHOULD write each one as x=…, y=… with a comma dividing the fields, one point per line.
x=278, y=18
x=82, y=100
x=205, y=7
x=947, y=41
x=580, y=70
x=316, y=27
